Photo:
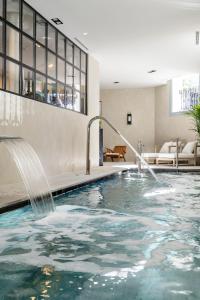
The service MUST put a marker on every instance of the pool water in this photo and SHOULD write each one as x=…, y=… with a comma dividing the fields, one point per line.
x=127, y=237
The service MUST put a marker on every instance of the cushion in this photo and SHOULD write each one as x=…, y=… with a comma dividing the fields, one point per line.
x=173, y=149
x=167, y=155
x=185, y=155
x=189, y=147
x=165, y=147
x=150, y=155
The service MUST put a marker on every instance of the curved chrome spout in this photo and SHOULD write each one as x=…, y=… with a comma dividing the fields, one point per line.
x=122, y=137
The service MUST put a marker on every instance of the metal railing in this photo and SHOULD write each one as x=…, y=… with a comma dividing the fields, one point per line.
x=88, y=167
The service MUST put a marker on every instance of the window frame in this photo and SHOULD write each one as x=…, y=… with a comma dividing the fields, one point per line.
x=170, y=87
x=44, y=45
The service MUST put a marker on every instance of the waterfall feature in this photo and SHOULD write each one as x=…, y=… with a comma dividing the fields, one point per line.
x=32, y=173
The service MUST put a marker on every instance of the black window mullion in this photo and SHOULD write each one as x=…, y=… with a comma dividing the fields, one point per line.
x=4, y=9
x=86, y=85
x=55, y=51
x=20, y=47
x=56, y=65
x=34, y=58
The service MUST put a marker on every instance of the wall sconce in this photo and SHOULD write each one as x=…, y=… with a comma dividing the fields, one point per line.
x=129, y=119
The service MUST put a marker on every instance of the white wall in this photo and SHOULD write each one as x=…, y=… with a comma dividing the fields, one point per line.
x=58, y=135
x=116, y=104
x=152, y=121
x=168, y=126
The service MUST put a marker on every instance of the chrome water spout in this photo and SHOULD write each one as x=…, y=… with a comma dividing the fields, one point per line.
x=88, y=167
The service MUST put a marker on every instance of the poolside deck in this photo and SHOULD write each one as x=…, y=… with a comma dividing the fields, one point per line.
x=15, y=195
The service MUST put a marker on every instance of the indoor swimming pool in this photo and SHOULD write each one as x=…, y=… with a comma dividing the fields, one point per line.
x=126, y=237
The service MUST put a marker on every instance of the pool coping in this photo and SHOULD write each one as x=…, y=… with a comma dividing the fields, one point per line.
x=19, y=203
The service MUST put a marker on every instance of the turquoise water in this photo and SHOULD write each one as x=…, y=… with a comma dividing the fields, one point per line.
x=124, y=238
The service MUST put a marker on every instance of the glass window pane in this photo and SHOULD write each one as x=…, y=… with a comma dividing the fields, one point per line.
x=185, y=92
x=83, y=61
x=41, y=30
x=61, y=45
x=83, y=104
x=1, y=8
x=51, y=92
x=40, y=87
x=12, y=43
x=51, y=65
x=1, y=72
x=51, y=38
x=27, y=22
x=12, y=77
x=61, y=70
x=40, y=58
x=61, y=95
x=77, y=101
x=77, y=57
x=69, y=98
x=77, y=79
x=83, y=83
x=69, y=50
x=69, y=76
x=27, y=51
x=12, y=13
x=1, y=36
x=27, y=83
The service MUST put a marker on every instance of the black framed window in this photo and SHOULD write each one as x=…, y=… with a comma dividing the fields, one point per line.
x=61, y=95
x=83, y=61
x=61, y=70
x=39, y=62
x=77, y=57
x=69, y=52
x=27, y=83
x=77, y=79
x=12, y=12
x=61, y=45
x=28, y=20
x=51, y=92
x=51, y=65
x=1, y=8
x=69, y=75
x=77, y=101
x=1, y=37
x=51, y=38
x=41, y=26
x=27, y=51
x=40, y=58
x=83, y=83
x=40, y=88
x=69, y=98
x=1, y=72
x=12, y=42
x=12, y=77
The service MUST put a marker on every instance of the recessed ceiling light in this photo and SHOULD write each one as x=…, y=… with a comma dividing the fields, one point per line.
x=116, y=82
x=50, y=66
x=57, y=21
x=85, y=33
x=152, y=71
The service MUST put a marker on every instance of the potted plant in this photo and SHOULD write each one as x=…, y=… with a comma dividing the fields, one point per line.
x=194, y=113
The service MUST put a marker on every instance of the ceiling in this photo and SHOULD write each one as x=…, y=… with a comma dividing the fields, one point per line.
x=131, y=37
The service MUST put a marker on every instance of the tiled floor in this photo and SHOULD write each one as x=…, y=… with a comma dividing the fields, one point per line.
x=11, y=194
